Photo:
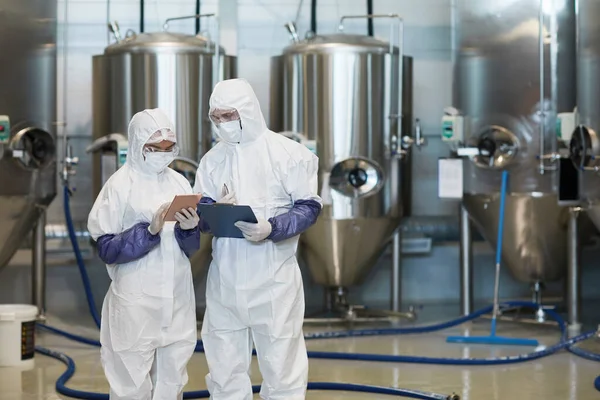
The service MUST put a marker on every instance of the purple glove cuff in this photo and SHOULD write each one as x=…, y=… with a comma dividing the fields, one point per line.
x=130, y=245
x=303, y=215
x=188, y=240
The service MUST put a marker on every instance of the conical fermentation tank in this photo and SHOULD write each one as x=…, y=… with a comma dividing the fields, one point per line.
x=515, y=71
x=28, y=171
x=344, y=93
x=585, y=142
x=171, y=71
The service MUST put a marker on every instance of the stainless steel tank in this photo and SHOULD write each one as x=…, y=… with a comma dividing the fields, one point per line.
x=162, y=69
x=585, y=142
x=515, y=70
x=27, y=126
x=344, y=92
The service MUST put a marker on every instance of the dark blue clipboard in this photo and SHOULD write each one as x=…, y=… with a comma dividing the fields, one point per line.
x=222, y=217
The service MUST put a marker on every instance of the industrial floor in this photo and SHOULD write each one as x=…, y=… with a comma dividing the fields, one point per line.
x=561, y=376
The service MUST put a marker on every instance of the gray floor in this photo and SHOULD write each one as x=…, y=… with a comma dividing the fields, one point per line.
x=561, y=377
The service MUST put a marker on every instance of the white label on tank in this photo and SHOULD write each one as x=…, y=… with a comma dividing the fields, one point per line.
x=450, y=178
x=326, y=190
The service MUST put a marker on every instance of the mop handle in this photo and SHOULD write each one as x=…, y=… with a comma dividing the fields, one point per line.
x=501, y=216
x=503, y=190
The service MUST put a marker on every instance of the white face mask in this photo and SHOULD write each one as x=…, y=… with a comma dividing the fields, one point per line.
x=231, y=131
x=157, y=162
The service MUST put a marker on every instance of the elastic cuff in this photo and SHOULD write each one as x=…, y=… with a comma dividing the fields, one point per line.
x=187, y=232
x=273, y=229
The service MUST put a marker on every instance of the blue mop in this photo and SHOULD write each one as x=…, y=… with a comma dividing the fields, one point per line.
x=493, y=339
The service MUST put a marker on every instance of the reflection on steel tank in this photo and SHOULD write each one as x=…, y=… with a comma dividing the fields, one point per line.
x=28, y=110
x=515, y=71
x=343, y=94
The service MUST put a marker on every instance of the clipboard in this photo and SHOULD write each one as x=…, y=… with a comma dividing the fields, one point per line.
x=222, y=217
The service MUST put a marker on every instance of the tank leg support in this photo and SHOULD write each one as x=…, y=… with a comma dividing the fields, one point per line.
x=466, y=263
x=38, y=262
x=342, y=312
x=396, y=289
x=573, y=274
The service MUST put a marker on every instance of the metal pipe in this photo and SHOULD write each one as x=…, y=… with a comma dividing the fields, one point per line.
x=141, y=16
x=466, y=262
x=291, y=27
x=574, y=274
x=542, y=113
x=215, y=41
x=197, y=19
x=63, y=123
x=369, y=20
x=113, y=27
x=313, y=16
x=196, y=16
x=38, y=262
x=397, y=272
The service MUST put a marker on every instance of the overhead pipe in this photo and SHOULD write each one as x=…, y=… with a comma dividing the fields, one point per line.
x=370, y=20
x=197, y=19
x=141, y=16
x=313, y=16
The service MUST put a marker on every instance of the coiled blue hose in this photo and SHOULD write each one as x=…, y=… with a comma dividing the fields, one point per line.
x=562, y=344
x=64, y=378
x=200, y=394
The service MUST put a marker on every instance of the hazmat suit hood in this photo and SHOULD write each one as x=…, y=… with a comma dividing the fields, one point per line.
x=142, y=126
x=238, y=94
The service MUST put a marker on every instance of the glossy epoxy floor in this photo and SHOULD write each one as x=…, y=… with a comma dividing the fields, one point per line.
x=560, y=377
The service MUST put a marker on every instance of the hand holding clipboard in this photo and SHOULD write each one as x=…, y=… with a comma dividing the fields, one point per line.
x=222, y=218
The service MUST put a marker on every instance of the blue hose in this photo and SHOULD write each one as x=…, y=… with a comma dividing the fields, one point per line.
x=82, y=270
x=562, y=344
x=61, y=385
x=64, y=378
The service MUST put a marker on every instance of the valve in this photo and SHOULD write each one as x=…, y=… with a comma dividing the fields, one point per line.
x=357, y=177
x=69, y=163
x=34, y=148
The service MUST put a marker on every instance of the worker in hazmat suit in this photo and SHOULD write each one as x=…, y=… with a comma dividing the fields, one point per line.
x=148, y=331
x=254, y=291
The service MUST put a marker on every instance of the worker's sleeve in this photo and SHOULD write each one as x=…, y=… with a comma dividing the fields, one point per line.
x=302, y=186
x=130, y=245
x=188, y=240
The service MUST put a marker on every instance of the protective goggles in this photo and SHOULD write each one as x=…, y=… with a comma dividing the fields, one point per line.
x=149, y=148
x=163, y=135
x=220, y=115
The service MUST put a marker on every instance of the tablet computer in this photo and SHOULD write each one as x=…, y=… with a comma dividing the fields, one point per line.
x=221, y=218
x=181, y=202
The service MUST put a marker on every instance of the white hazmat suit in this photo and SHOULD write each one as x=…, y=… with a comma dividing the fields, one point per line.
x=254, y=289
x=148, y=331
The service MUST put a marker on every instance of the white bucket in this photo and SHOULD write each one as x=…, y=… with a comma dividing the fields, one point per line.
x=17, y=335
